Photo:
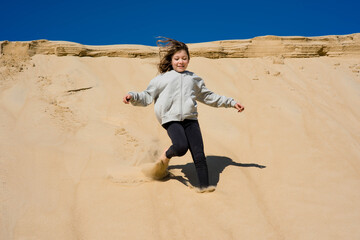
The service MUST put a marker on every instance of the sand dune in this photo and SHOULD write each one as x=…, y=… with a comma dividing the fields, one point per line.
x=71, y=152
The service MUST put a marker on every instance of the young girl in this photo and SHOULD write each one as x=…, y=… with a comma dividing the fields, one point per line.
x=175, y=92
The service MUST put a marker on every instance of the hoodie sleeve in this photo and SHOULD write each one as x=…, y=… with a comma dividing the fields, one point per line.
x=212, y=99
x=147, y=96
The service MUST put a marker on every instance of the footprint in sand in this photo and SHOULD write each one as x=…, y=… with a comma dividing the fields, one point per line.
x=136, y=175
x=127, y=175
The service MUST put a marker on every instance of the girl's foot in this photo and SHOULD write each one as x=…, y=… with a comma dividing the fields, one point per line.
x=160, y=170
x=157, y=170
x=164, y=159
x=205, y=189
x=161, y=166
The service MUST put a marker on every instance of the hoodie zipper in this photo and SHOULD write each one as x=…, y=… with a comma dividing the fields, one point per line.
x=181, y=97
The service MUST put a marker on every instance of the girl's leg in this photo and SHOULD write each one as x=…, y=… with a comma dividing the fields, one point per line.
x=178, y=148
x=177, y=135
x=195, y=141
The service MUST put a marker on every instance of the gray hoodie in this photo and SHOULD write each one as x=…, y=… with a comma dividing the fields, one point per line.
x=175, y=96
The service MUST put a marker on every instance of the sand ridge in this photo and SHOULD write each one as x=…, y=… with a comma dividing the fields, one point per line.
x=262, y=46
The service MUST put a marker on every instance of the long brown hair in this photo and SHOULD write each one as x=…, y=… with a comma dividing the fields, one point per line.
x=167, y=48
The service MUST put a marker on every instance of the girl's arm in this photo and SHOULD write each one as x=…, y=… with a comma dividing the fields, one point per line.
x=143, y=98
x=212, y=99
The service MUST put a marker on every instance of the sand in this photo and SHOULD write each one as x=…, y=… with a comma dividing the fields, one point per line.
x=71, y=152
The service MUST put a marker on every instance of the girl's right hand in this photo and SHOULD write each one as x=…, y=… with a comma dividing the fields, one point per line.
x=127, y=98
x=239, y=107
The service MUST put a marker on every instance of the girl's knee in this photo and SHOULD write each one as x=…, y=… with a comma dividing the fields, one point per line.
x=181, y=149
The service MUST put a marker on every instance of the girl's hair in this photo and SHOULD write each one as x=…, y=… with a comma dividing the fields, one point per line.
x=168, y=47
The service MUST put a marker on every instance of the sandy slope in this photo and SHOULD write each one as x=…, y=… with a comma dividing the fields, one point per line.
x=286, y=168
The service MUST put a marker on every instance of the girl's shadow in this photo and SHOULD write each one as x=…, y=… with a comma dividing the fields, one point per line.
x=216, y=165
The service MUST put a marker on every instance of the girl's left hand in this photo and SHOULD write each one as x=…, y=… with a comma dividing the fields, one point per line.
x=127, y=98
x=239, y=107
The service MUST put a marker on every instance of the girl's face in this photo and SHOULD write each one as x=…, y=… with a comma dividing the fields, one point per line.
x=180, y=61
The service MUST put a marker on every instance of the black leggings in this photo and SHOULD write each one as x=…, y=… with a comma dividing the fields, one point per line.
x=187, y=135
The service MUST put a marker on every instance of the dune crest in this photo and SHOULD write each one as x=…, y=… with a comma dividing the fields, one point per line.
x=264, y=46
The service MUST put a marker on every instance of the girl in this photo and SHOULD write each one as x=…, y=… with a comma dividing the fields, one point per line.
x=175, y=92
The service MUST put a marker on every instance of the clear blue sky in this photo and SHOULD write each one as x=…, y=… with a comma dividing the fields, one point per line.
x=107, y=22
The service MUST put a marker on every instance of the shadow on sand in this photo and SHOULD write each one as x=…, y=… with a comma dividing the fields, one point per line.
x=216, y=165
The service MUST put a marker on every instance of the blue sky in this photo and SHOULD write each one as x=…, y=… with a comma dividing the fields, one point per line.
x=107, y=22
